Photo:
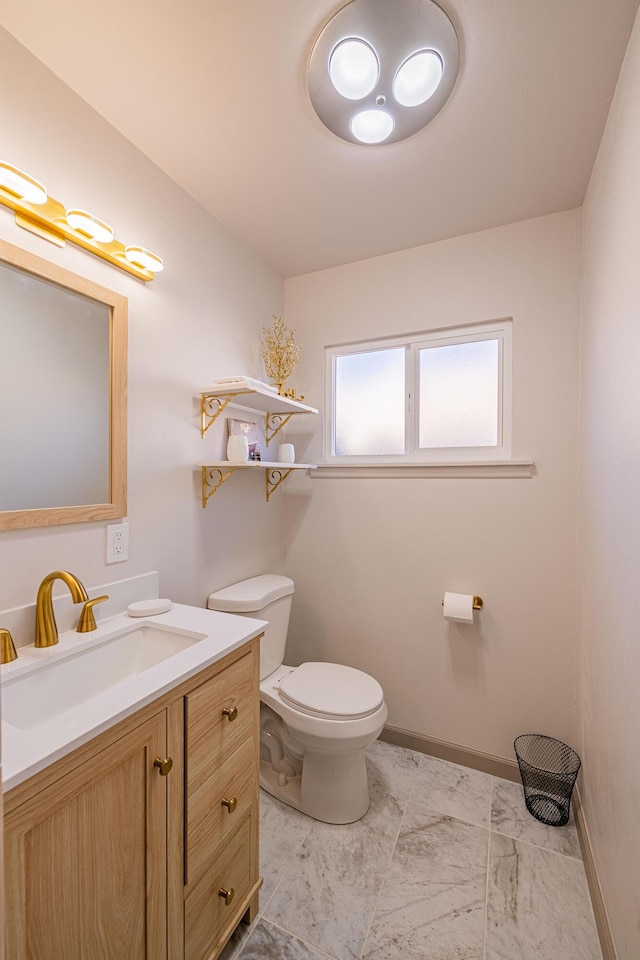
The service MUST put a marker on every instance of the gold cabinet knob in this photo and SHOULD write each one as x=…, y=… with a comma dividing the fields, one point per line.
x=227, y=895
x=230, y=804
x=230, y=713
x=164, y=766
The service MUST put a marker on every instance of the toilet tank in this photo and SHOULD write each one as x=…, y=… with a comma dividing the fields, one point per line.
x=267, y=597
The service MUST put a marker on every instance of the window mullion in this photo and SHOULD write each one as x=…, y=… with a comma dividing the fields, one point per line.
x=412, y=401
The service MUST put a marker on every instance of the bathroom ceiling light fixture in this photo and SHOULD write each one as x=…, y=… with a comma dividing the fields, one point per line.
x=36, y=211
x=380, y=71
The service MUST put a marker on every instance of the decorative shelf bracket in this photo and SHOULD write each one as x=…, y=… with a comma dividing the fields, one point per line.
x=210, y=409
x=274, y=423
x=212, y=480
x=274, y=477
x=215, y=474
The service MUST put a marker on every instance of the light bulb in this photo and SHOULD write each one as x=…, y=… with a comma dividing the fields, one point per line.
x=21, y=184
x=353, y=69
x=371, y=126
x=418, y=78
x=144, y=259
x=86, y=223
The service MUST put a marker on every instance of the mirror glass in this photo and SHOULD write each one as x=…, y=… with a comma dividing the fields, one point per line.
x=62, y=409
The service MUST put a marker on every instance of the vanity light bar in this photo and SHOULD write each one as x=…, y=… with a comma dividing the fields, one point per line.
x=48, y=218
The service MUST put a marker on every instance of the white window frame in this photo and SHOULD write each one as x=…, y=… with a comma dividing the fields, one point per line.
x=501, y=330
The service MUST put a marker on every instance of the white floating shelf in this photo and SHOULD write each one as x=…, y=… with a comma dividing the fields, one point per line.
x=277, y=410
x=216, y=472
x=256, y=399
x=269, y=464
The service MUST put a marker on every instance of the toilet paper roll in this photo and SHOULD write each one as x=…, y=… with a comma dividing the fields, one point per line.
x=458, y=607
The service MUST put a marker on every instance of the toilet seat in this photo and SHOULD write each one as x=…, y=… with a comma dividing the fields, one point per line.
x=331, y=691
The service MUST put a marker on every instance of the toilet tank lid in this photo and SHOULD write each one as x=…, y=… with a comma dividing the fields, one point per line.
x=249, y=595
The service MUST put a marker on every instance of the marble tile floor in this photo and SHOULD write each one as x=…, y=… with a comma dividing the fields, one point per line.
x=447, y=864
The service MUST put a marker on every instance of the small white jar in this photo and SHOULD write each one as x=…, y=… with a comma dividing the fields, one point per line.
x=286, y=453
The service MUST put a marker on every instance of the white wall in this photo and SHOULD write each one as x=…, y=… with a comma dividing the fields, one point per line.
x=610, y=517
x=202, y=318
x=373, y=558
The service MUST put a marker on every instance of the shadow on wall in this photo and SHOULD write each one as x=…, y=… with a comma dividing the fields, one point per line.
x=467, y=648
x=307, y=637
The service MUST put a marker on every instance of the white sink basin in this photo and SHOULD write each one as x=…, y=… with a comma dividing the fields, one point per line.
x=60, y=686
x=58, y=698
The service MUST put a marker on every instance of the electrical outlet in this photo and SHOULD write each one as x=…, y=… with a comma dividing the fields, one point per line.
x=117, y=542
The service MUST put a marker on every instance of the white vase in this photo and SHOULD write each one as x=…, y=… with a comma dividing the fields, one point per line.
x=237, y=449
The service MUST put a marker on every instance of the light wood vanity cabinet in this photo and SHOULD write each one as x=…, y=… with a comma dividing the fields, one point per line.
x=107, y=858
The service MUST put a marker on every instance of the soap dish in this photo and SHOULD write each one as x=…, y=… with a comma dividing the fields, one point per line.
x=148, y=608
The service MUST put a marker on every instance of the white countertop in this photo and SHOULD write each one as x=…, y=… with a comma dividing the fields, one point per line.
x=26, y=751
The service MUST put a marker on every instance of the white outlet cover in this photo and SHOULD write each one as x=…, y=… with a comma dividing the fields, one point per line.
x=117, y=542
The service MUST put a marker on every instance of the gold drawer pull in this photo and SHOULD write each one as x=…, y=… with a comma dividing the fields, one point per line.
x=164, y=766
x=230, y=804
x=226, y=894
x=230, y=712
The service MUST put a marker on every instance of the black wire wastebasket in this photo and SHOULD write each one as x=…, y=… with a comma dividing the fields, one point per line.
x=548, y=769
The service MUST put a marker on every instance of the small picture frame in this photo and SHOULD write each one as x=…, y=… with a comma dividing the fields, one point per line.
x=248, y=429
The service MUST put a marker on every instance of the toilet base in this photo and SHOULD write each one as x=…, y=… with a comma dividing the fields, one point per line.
x=271, y=782
x=332, y=789
x=323, y=776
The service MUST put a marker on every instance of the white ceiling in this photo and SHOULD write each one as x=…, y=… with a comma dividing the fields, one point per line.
x=227, y=115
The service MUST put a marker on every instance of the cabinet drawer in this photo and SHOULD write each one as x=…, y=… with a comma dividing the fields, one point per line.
x=205, y=912
x=212, y=735
x=210, y=823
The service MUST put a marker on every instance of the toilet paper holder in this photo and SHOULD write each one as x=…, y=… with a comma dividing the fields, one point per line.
x=477, y=603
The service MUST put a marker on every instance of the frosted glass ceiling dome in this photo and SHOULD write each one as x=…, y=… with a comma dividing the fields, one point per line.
x=380, y=71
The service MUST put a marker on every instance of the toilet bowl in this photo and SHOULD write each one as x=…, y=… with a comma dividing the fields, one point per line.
x=316, y=720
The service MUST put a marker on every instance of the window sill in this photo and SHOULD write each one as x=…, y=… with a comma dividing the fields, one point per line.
x=500, y=469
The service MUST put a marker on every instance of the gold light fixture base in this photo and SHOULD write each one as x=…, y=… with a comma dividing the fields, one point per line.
x=40, y=230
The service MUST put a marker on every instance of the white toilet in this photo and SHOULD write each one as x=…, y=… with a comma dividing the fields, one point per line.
x=315, y=720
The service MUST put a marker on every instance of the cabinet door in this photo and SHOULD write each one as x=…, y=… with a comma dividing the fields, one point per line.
x=85, y=859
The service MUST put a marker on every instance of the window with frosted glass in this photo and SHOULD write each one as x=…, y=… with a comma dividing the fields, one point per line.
x=459, y=395
x=424, y=397
x=369, y=403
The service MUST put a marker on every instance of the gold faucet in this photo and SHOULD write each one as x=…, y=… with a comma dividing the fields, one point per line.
x=7, y=649
x=87, y=621
x=46, y=629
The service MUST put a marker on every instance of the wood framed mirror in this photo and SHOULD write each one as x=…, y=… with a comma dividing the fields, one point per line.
x=63, y=395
